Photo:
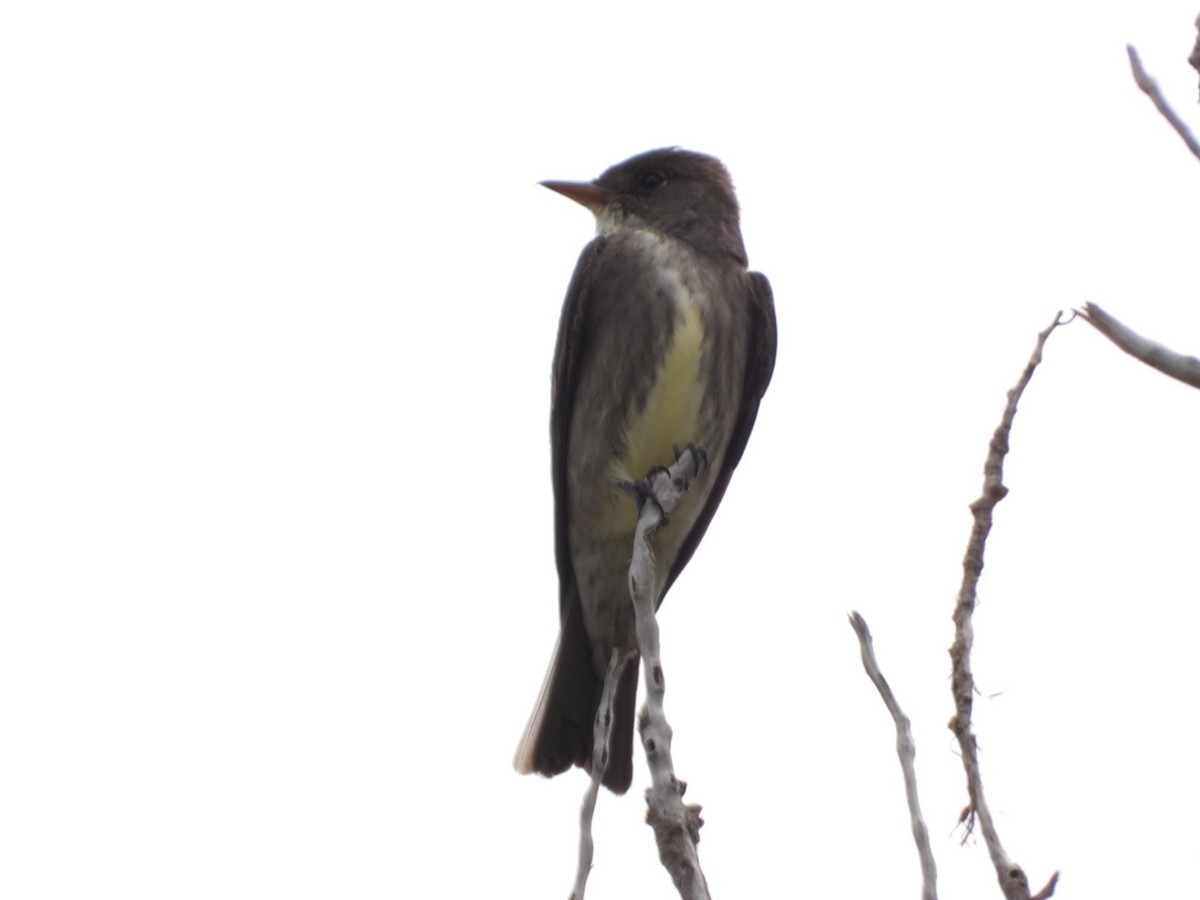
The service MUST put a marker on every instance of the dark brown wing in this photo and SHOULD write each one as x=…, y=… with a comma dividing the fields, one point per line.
x=760, y=363
x=564, y=379
x=560, y=733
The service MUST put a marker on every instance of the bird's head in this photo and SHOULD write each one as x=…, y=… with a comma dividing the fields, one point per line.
x=686, y=195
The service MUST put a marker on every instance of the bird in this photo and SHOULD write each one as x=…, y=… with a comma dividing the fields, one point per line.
x=666, y=340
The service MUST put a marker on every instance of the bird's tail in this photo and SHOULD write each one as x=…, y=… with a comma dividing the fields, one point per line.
x=559, y=733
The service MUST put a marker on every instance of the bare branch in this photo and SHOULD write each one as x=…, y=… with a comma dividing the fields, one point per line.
x=1178, y=366
x=1150, y=88
x=676, y=827
x=602, y=739
x=1048, y=890
x=1012, y=879
x=906, y=750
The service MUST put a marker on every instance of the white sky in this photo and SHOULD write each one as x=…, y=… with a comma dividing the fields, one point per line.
x=279, y=295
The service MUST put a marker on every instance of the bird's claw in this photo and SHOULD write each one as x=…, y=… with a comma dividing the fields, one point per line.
x=642, y=491
x=699, y=457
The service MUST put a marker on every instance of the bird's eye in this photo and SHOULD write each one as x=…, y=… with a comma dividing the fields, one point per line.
x=650, y=180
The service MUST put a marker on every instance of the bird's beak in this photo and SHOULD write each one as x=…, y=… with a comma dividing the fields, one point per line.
x=585, y=193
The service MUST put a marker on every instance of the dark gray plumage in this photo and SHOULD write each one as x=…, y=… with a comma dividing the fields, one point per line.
x=665, y=340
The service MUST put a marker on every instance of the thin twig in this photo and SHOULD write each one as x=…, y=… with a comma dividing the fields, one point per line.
x=907, y=751
x=1012, y=879
x=1178, y=366
x=1150, y=88
x=676, y=826
x=602, y=738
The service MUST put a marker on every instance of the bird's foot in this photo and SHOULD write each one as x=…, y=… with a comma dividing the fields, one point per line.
x=698, y=458
x=642, y=491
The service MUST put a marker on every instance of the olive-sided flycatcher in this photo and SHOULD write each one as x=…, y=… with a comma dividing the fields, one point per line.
x=666, y=340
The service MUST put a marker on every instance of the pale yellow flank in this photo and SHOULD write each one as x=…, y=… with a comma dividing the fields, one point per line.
x=671, y=415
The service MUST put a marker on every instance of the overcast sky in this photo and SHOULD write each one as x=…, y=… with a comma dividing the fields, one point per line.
x=278, y=298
